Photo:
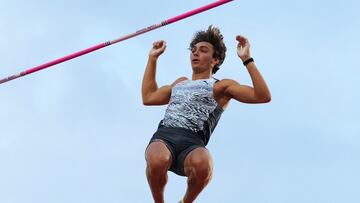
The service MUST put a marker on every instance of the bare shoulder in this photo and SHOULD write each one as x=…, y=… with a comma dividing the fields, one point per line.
x=221, y=85
x=180, y=79
x=220, y=89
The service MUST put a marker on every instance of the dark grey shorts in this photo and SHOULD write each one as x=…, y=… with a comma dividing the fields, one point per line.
x=180, y=143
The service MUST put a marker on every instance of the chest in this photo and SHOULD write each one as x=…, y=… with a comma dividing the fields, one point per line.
x=193, y=91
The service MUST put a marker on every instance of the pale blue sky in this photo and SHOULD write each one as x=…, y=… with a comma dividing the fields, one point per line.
x=76, y=133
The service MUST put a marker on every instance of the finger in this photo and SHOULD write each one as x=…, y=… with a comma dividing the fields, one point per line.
x=246, y=41
x=162, y=43
x=243, y=40
x=156, y=44
x=240, y=38
x=163, y=47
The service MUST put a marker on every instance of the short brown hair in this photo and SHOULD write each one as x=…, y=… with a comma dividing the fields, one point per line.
x=214, y=37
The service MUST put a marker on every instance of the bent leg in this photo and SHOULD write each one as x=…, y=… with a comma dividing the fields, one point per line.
x=198, y=168
x=158, y=159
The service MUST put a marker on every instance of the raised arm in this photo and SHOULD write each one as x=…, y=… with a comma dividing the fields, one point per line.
x=151, y=94
x=259, y=93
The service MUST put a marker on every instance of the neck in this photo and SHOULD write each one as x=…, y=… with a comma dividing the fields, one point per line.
x=197, y=76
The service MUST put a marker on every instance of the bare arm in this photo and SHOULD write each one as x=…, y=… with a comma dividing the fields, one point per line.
x=259, y=93
x=151, y=94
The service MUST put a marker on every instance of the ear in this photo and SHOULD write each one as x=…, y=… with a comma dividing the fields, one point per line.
x=214, y=62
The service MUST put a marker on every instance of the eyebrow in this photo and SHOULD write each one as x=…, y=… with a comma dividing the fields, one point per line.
x=201, y=46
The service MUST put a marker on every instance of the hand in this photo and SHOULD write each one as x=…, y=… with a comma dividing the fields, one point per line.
x=157, y=49
x=243, y=48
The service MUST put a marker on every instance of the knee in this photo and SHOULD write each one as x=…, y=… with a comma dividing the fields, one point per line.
x=157, y=162
x=202, y=170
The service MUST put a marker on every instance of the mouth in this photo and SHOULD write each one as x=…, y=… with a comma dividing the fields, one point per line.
x=195, y=60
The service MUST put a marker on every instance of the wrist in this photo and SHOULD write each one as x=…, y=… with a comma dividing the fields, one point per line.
x=247, y=61
x=153, y=58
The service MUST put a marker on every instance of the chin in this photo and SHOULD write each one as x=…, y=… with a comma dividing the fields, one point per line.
x=196, y=68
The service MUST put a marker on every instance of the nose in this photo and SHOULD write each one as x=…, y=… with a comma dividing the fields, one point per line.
x=195, y=52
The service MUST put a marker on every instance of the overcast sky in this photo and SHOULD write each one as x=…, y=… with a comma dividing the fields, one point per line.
x=76, y=132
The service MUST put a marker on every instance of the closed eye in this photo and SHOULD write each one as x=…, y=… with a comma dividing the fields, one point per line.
x=204, y=49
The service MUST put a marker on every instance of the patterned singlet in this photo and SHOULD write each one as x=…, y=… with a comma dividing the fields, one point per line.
x=193, y=107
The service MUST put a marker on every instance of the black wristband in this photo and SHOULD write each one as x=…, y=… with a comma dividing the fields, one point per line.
x=248, y=61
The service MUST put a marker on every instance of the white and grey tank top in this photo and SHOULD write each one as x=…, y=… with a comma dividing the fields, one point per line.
x=192, y=106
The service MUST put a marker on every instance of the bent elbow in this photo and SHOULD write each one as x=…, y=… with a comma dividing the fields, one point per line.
x=146, y=102
x=264, y=99
x=267, y=99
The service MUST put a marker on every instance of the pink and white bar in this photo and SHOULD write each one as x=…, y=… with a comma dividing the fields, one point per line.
x=102, y=45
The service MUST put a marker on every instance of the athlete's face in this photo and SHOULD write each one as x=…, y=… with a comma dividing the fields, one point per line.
x=202, y=57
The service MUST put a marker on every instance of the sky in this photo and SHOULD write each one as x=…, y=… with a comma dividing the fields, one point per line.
x=77, y=132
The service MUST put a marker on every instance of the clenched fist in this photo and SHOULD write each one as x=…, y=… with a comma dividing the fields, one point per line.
x=157, y=49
